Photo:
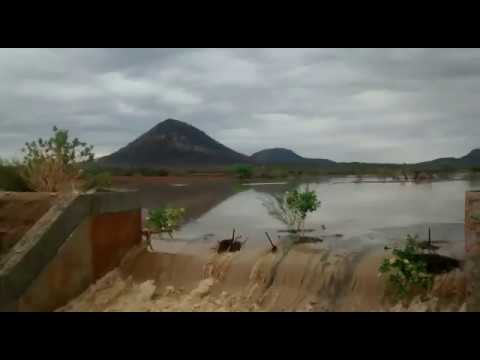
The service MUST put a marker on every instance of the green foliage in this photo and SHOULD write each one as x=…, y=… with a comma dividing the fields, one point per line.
x=406, y=270
x=165, y=220
x=100, y=180
x=10, y=180
x=292, y=207
x=242, y=171
x=49, y=164
x=302, y=202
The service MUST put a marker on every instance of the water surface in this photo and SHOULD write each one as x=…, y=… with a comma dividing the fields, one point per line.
x=363, y=213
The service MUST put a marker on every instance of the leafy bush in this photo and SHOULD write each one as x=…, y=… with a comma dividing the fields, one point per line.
x=10, y=180
x=407, y=271
x=165, y=220
x=243, y=171
x=49, y=164
x=292, y=207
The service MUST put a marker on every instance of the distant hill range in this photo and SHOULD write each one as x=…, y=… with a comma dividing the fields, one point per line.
x=281, y=156
x=470, y=160
x=173, y=143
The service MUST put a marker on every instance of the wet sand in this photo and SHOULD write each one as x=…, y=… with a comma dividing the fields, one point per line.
x=192, y=277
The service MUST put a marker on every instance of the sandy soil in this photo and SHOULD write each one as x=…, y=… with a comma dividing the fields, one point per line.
x=296, y=279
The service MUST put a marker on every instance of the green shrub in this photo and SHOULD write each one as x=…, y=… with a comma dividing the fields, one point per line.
x=49, y=164
x=10, y=180
x=406, y=270
x=100, y=180
x=242, y=171
x=165, y=220
x=292, y=208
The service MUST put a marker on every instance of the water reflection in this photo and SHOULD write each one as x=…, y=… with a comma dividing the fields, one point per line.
x=358, y=211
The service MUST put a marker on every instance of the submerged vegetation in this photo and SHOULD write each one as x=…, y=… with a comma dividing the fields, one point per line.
x=411, y=270
x=292, y=208
x=406, y=270
x=165, y=220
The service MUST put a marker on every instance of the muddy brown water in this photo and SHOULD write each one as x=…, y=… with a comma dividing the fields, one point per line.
x=365, y=214
x=337, y=274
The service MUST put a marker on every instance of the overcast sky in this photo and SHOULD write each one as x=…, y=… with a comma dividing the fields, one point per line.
x=385, y=105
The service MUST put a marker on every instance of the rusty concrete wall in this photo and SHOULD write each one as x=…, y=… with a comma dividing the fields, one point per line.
x=472, y=247
x=94, y=248
x=112, y=235
x=65, y=277
x=78, y=240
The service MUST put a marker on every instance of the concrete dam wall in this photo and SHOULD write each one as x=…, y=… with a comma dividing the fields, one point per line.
x=77, y=241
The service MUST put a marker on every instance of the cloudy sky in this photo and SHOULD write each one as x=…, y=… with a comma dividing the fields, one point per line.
x=385, y=105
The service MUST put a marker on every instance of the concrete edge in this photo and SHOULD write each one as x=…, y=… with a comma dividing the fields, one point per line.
x=40, y=244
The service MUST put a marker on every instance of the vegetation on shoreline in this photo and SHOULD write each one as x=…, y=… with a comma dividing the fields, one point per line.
x=49, y=164
x=406, y=271
x=165, y=219
x=10, y=180
x=292, y=208
x=411, y=270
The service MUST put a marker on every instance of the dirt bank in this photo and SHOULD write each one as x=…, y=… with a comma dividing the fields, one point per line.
x=18, y=212
x=195, y=278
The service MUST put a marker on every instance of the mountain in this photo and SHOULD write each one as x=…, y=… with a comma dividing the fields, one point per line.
x=276, y=156
x=472, y=159
x=173, y=143
x=281, y=156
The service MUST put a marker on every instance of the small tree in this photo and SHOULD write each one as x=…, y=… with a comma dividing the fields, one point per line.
x=49, y=164
x=165, y=220
x=292, y=208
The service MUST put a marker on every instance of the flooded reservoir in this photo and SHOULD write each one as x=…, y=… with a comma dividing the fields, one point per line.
x=340, y=273
x=364, y=214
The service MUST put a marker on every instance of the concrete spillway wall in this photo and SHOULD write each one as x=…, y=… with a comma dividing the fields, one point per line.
x=472, y=247
x=76, y=242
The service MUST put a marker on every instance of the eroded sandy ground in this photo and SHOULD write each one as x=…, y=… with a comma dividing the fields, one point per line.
x=296, y=279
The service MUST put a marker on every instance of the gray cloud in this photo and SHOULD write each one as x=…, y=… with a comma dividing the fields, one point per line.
x=386, y=105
